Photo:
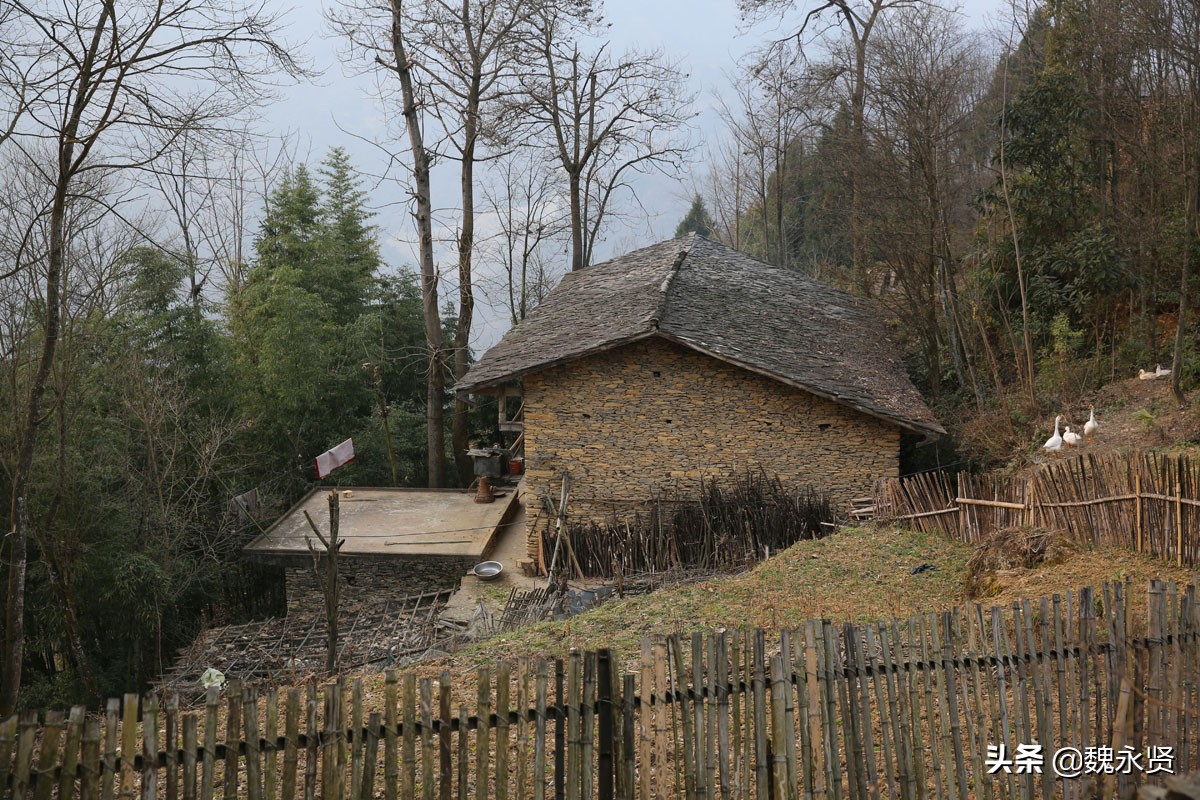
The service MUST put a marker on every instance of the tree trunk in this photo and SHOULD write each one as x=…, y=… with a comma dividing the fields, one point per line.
x=577, y=261
x=435, y=435
x=1192, y=205
x=461, y=423
x=14, y=626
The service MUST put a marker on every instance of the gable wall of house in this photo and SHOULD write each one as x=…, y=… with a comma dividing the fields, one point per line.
x=654, y=416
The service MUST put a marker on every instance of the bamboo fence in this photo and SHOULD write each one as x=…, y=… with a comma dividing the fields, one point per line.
x=1148, y=502
x=903, y=709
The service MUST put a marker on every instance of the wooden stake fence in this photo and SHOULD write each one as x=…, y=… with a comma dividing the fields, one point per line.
x=1148, y=502
x=903, y=710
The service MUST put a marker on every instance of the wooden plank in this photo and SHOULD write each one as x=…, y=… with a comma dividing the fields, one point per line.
x=521, y=750
x=390, y=734
x=628, y=770
x=950, y=693
x=355, y=738
x=587, y=722
x=271, y=745
x=779, y=732
x=541, y=684
x=312, y=743
x=425, y=697
x=171, y=746
x=762, y=759
x=43, y=777
x=370, y=756
x=720, y=684
x=885, y=709
x=291, y=745
x=233, y=727
x=91, y=767
x=329, y=736
x=503, y=682
x=70, y=758
x=646, y=719
x=191, y=747
x=856, y=688
x=22, y=772
x=129, y=745
x=606, y=742
x=8, y=741
x=483, y=737
x=445, y=752
x=408, y=749
x=968, y=501
x=212, y=697
x=464, y=751
x=254, y=786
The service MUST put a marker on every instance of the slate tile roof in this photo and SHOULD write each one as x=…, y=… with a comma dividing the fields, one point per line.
x=709, y=297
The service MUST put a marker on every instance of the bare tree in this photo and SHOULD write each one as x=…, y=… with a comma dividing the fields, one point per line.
x=381, y=34
x=604, y=117
x=531, y=215
x=98, y=85
x=466, y=50
x=928, y=77
x=858, y=18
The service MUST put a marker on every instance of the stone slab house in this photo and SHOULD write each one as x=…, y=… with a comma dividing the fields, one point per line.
x=688, y=360
x=398, y=542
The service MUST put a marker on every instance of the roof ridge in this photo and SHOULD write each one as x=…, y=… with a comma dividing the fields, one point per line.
x=664, y=288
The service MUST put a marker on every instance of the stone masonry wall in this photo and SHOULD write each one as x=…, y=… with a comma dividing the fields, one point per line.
x=654, y=416
x=374, y=580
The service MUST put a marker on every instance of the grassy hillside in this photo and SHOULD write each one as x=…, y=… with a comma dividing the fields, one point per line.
x=855, y=575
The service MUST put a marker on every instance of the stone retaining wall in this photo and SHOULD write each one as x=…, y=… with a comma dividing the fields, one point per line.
x=374, y=580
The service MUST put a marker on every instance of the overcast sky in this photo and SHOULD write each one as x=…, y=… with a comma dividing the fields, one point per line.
x=706, y=37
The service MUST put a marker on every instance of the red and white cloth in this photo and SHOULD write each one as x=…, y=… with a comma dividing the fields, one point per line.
x=335, y=457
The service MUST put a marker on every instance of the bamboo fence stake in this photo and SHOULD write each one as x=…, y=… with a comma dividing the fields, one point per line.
x=408, y=747
x=370, y=755
x=873, y=663
x=313, y=749
x=446, y=764
x=541, y=683
x=70, y=760
x=587, y=725
x=291, y=744
x=129, y=722
x=391, y=739
x=464, y=751
x=23, y=765
x=425, y=693
x=271, y=745
x=191, y=742
x=503, y=679
x=43, y=775
x=89, y=783
x=762, y=766
x=573, y=745
x=254, y=788
x=522, y=746
x=355, y=739
x=483, y=738
x=646, y=719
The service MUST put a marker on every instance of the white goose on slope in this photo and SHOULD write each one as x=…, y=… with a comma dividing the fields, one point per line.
x=1070, y=438
x=1091, y=426
x=1055, y=442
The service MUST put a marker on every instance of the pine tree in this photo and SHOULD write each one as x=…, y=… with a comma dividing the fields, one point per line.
x=697, y=220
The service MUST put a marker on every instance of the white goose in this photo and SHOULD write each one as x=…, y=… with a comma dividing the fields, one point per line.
x=1070, y=438
x=1091, y=426
x=1146, y=376
x=1159, y=372
x=1055, y=442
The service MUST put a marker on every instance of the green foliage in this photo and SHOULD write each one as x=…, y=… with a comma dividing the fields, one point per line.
x=169, y=404
x=697, y=220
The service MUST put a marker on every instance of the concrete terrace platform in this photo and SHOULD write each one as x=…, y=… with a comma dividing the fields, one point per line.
x=391, y=523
